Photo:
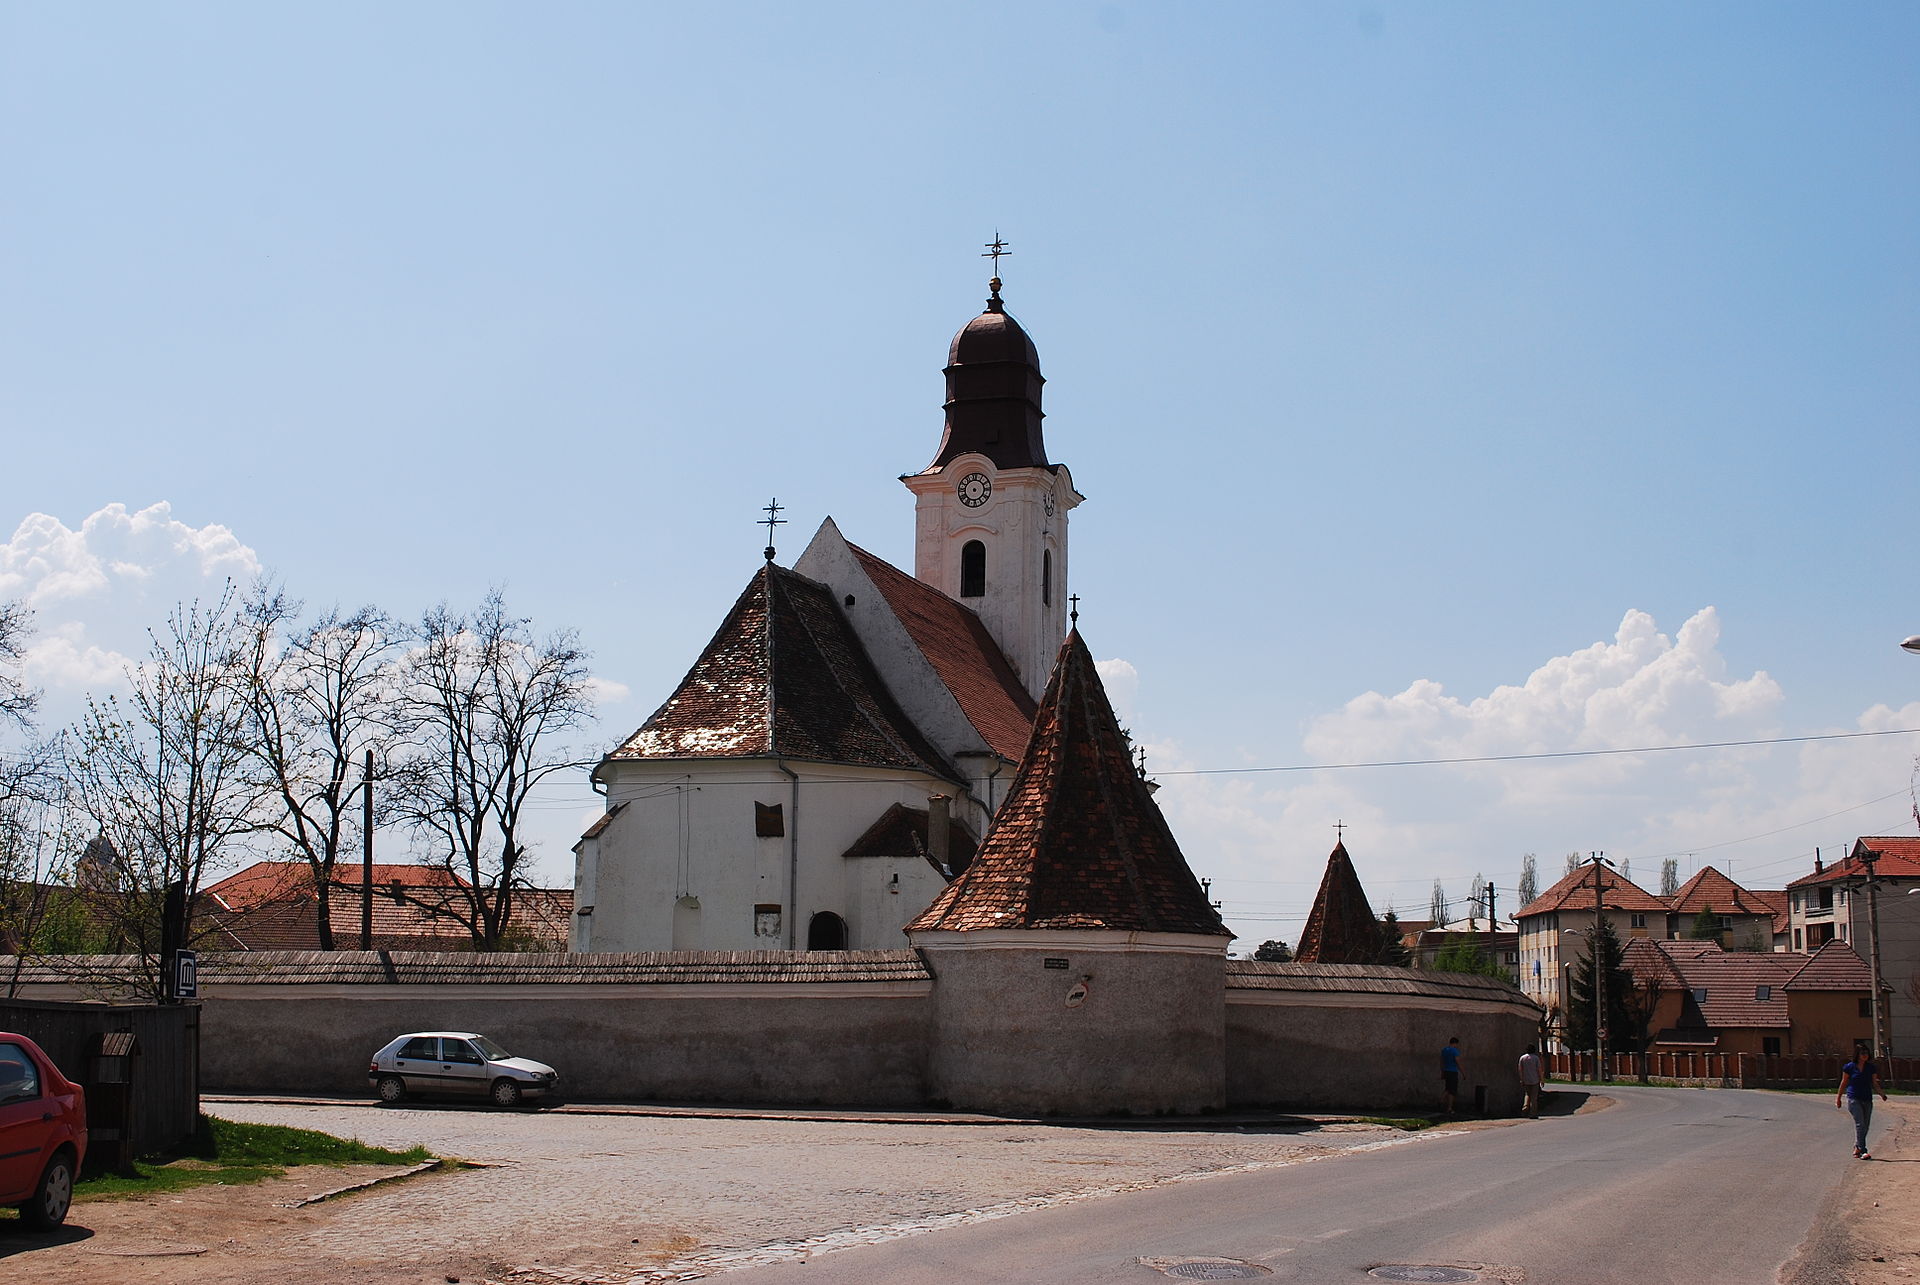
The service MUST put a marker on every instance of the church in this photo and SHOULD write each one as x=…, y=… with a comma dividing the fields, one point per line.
x=830, y=763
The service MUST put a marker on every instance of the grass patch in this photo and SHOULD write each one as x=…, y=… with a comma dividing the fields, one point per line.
x=1411, y=1123
x=227, y=1153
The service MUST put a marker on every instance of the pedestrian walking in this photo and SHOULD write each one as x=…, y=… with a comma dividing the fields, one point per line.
x=1530, y=1084
x=1450, y=1073
x=1859, y=1081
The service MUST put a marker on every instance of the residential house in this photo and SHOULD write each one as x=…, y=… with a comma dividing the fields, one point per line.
x=1704, y=999
x=273, y=905
x=1831, y=905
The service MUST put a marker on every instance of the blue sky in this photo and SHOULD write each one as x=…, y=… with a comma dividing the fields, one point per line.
x=1428, y=369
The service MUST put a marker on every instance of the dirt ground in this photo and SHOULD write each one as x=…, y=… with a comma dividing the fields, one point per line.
x=246, y=1234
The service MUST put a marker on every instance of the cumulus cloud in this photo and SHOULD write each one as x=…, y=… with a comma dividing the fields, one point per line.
x=64, y=658
x=605, y=691
x=1122, y=682
x=46, y=561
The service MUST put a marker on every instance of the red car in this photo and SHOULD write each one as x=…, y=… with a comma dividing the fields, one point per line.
x=43, y=1133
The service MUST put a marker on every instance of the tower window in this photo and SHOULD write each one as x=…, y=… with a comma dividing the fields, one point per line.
x=973, y=570
x=1046, y=577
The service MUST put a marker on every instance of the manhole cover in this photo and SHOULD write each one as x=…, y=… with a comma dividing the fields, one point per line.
x=1423, y=1274
x=1216, y=1271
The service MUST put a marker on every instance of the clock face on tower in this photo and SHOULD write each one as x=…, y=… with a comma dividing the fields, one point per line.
x=974, y=489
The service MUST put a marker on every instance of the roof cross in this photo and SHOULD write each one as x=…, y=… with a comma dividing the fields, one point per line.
x=772, y=520
x=1074, y=615
x=996, y=250
x=1339, y=831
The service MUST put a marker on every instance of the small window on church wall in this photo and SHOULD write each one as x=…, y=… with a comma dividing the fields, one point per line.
x=1046, y=577
x=769, y=822
x=973, y=570
x=766, y=921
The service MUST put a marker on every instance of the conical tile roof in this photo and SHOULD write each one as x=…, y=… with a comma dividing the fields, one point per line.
x=1079, y=842
x=1340, y=928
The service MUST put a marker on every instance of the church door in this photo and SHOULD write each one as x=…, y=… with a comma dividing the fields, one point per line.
x=826, y=931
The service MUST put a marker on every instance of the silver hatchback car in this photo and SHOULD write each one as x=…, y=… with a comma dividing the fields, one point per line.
x=457, y=1064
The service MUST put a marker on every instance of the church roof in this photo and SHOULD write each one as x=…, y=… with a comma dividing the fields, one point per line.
x=1340, y=928
x=901, y=831
x=993, y=393
x=1079, y=842
x=785, y=677
x=964, y=655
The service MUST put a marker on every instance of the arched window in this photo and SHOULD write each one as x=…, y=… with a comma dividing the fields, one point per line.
x=1046, y=577
x=973, y=570
x=826, y=931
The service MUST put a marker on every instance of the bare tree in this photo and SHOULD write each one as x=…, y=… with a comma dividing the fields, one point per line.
x=165, y=778
x=1477, y=897
x=1529, y=878
x=1669, y=877
x=1437, y=907
x=318, y=702
x=484, y=703
x=1574, y=861
x=17, y=700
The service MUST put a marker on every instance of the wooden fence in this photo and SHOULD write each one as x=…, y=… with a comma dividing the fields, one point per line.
x=1729, y=1070
x=153, y=1099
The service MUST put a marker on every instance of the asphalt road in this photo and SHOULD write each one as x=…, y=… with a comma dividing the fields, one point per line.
x=1670, y=1185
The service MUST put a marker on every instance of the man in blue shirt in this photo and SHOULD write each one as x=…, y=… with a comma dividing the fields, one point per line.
x=1859, y=1079
x=1450, y=1072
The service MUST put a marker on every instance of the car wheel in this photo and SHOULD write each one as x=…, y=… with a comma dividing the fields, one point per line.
x=392, y=1088
x=53, y=1197
x=506, y=1093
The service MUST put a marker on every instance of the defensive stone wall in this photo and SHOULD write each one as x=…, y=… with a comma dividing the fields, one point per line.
x=818, y=1028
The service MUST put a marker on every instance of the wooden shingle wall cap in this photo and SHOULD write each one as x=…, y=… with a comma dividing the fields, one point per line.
x=1251, y=974
x=306, y=968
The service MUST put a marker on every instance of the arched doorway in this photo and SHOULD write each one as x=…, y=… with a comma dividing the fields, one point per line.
x=826, y=931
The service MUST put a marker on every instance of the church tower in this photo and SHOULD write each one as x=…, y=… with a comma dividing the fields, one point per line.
x=991, y=511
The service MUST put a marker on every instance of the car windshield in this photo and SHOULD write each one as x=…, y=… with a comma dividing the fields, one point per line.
x=493, y=1051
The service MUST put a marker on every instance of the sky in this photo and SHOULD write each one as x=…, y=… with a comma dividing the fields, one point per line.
x=1446, y=381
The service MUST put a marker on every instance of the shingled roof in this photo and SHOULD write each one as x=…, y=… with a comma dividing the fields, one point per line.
x=785, y=677
x=1340, y=928
x=1897, y=857
x=1079, y=842
x=1575, y=892
x=962, y=653
x=1711, y=890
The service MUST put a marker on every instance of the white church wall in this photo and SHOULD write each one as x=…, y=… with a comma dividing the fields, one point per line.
x=681, y=867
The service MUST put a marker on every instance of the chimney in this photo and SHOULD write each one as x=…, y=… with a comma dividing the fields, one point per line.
x=937, y=832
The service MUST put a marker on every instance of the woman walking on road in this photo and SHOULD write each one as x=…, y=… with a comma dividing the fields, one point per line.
x=1859, y=1080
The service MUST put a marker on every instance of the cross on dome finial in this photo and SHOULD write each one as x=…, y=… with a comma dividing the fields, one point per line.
x=1339, y=831
x=772, y=520
x=1074, y=615
x=996, y=250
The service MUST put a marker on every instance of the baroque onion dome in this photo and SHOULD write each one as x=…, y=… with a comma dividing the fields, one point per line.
x=993, y=392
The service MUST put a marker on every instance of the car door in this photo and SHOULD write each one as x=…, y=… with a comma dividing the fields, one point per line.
x=418, y=1062
x=23, y=1127
x=464, y=1067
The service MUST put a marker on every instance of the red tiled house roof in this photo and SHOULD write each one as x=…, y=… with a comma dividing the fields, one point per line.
x=1774, y=899
x=962, y=653
x=1711, y=890
x=271, y=906
x=1898, y=858
x=1575, y=892
x=1079, y=842
x=280, y=880
x=785, y=677
x=1340, y=927
x=1834, y=967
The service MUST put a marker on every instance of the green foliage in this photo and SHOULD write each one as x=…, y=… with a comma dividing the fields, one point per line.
x=1626, y=1025
x=1754, y=942
x=1706, y=927
x=1461, y=953
x=1274, y=952
x=228, y=1153
x=1392, y=950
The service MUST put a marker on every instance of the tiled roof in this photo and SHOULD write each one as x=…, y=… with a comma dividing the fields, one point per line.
x=962, y=653
x=1775, y=900
x=1079, y=841
x=785, y=676
x=1575, y=892
x=1899, y=858
x=1711, y=890
x=291, y=968
x=1645, y=959
x=279, y=880
x=901, y=831
x=1340, y=928
x=1834, y=967
x=420, y=918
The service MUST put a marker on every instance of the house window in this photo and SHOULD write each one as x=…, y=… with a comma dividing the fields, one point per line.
x=1826, y=899
x=1638, y=921
x=1770, y=1045
x=1763, y=993
x=973, y=570
x=1699, y=994
x=1796, y=901
x=1843, y=932
x=1866, y=1008
x=769, y=822
x=1796, y=939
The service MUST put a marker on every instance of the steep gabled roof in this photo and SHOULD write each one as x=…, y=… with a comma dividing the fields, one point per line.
x=1774, y=899
x=1711, y=890
x=1079, y=842
x=1899, y=858
x=1575, y=892
x=1834, y=967
x=785, y=677
x=901, y=831
x=1340, y=928
x=962, y=653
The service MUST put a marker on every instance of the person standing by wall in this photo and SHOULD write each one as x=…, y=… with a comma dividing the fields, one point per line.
x=1450, y=1073
x=1859, y=1080
x=1530, y=1084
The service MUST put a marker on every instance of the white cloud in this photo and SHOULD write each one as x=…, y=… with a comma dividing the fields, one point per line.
x=47, y=562
x=64, y=659
x=1122, y=682
x=605, y=691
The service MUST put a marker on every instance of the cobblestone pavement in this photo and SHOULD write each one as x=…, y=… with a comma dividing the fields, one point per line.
x=592, y=1199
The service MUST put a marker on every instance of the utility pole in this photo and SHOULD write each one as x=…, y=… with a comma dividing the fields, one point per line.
x=1493, y=912
x=366, y=858
x=1882, y=1037
x=1599, y=965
